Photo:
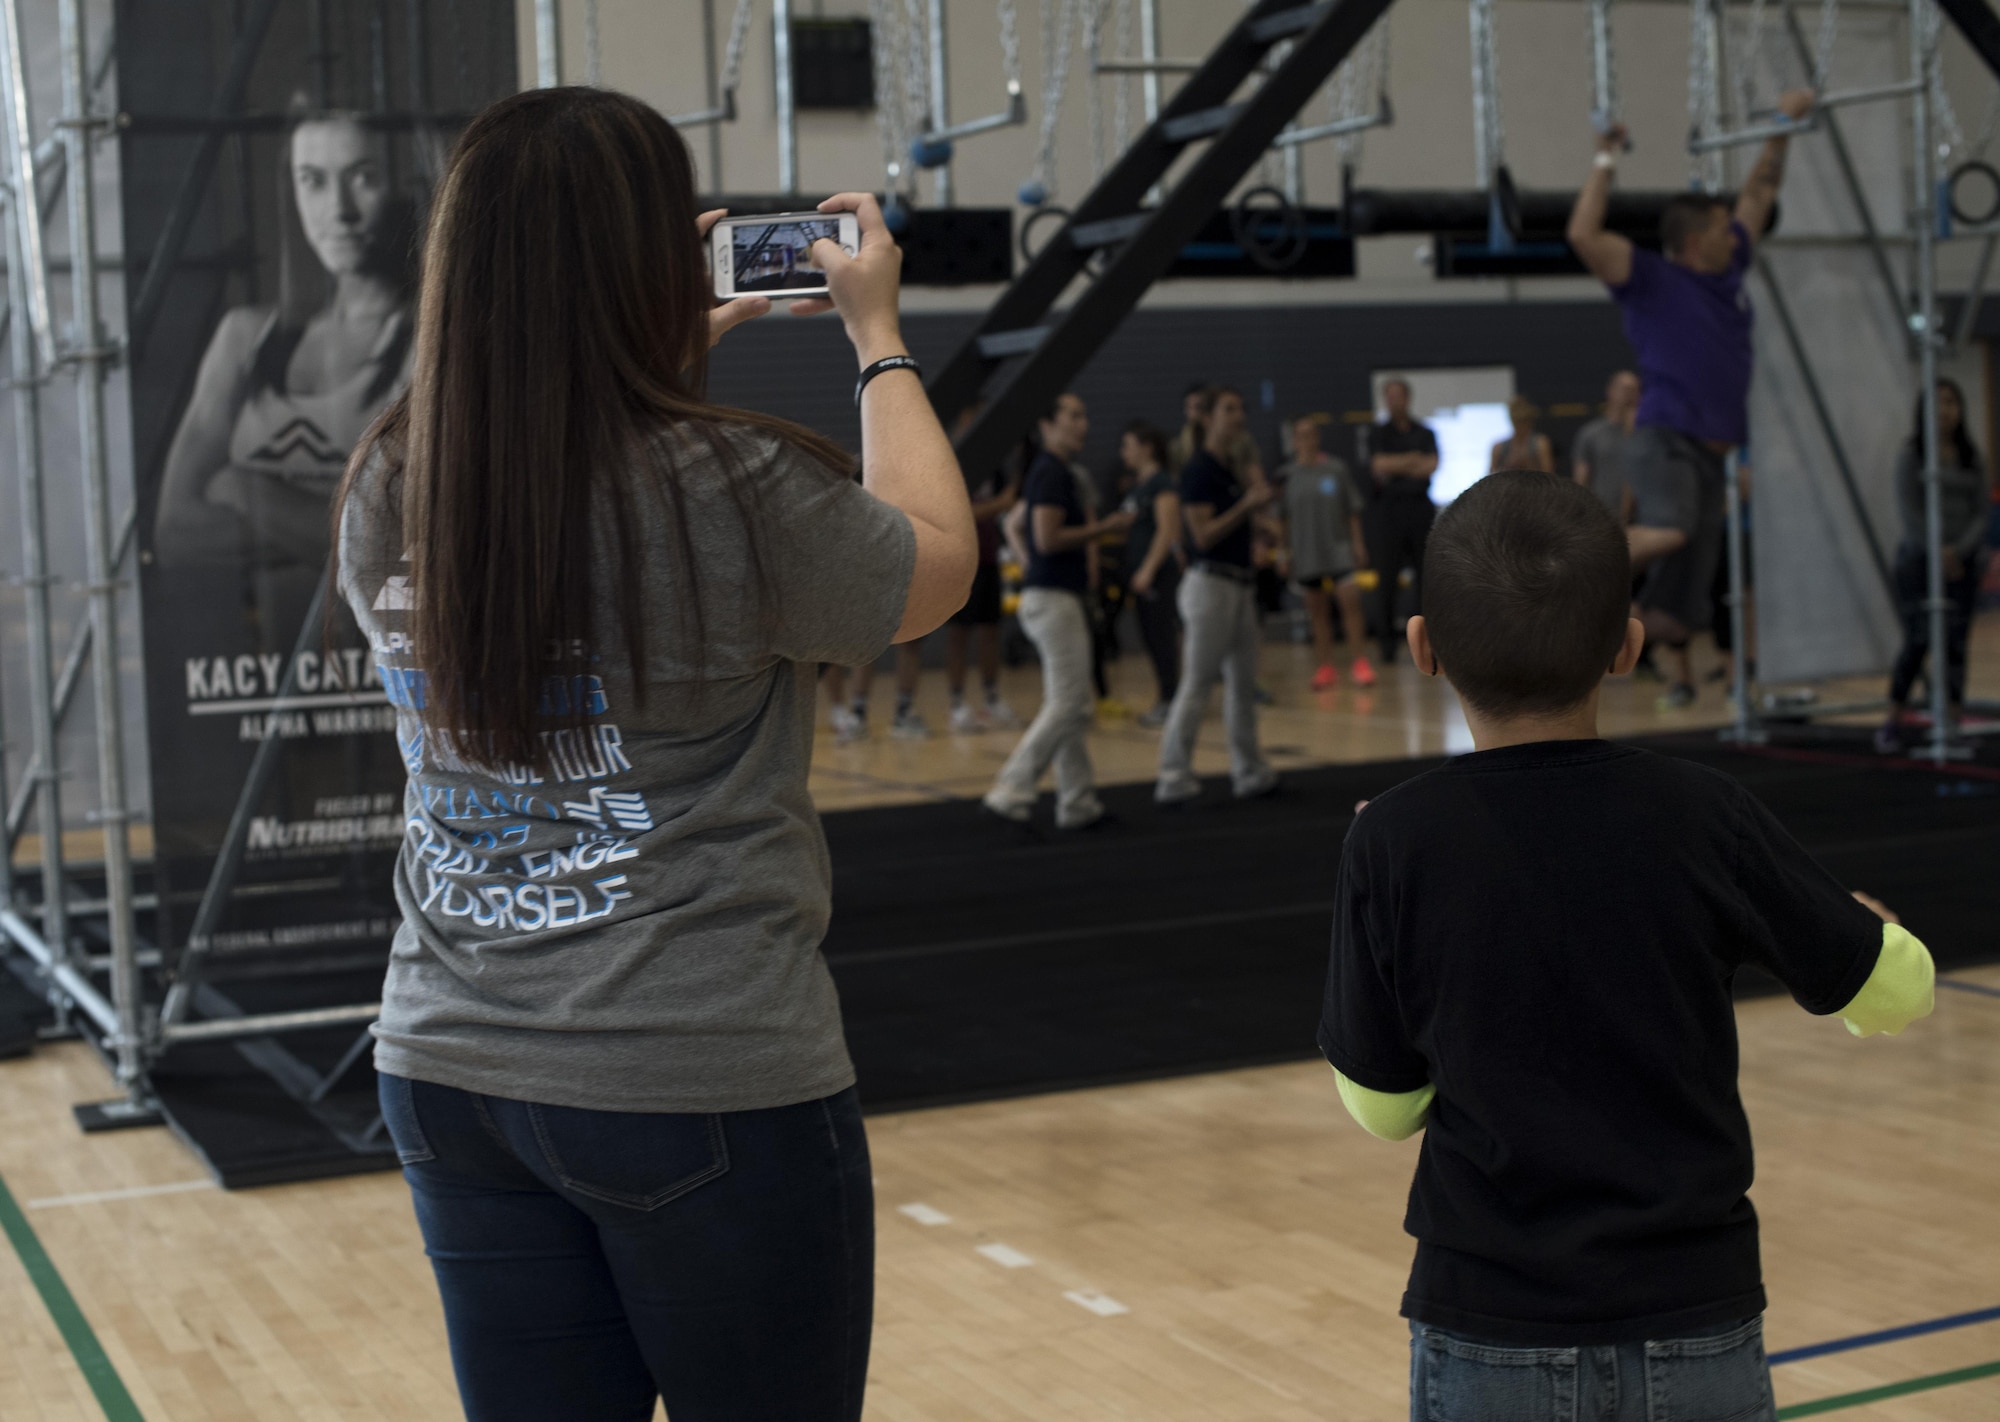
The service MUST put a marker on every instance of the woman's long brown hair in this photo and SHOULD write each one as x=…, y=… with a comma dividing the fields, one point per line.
x=561, y=368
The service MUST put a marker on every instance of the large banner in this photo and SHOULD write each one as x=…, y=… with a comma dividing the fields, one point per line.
x=277, y=158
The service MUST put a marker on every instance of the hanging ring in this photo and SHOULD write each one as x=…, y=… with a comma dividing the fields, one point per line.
x=1029, y=223
x=1287, y=248
x=1982, y=168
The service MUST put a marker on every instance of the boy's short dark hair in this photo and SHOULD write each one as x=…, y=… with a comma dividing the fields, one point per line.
x=1527, y=587
x=1684, y=215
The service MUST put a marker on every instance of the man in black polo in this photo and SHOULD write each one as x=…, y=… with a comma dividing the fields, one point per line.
x=1402, y=457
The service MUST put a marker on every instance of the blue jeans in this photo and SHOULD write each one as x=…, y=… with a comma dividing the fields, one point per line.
x=592, y=1262
x=1715, y=1376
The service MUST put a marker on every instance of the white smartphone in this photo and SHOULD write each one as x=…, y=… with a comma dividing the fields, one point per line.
x=770, y=254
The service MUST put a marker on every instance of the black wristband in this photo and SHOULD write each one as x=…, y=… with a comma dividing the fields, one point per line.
x=894, y=362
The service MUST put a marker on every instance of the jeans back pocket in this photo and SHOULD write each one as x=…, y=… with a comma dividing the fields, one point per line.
x=399, y=1116
x=1719, y=1378
x=635, y=1159
x=1457, y=1380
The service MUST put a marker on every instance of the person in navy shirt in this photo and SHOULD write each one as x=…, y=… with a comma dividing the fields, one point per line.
x=1219, y=610
x=1688, y=318
x=1057, y=534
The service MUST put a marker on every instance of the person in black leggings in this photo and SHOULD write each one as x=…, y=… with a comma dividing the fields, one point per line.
x=1155, y=542
x=1402, y=456
x=1964, y=493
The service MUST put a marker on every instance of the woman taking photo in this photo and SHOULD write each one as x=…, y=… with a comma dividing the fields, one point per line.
x=1963, y=497
x=610, y=1054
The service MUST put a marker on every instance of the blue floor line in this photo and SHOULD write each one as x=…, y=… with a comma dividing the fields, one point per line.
x=1961, y=985
x=1886, y=1335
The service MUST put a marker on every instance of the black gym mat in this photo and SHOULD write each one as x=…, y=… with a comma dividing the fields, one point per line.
x=979, y=960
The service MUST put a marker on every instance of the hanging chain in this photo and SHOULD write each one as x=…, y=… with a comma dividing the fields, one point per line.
x=1747, y=62
x=1124, y=31
x=1010, y=43
x=1704, y=93
x=1093, y=35
x=1489, y=138
x=1603, y=67
x=593, y=47
x=739, y=32
x=891, y=115
x=1829, y=31
x=1058, y=23
x=1950, y=136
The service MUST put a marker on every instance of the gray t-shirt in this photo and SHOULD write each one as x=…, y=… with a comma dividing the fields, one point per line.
x=637, y=927
x=1319, y=501
x=1963, y=499
x=1601, y=445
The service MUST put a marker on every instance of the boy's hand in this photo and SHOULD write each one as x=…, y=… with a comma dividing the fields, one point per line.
x=1877, y=907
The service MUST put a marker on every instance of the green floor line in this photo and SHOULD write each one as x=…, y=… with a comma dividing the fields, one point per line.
x=1888, y=1390
x=70, y=1322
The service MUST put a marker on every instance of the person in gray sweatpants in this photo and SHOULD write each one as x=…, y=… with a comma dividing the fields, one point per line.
x=1219, y=610
x=1052, y=614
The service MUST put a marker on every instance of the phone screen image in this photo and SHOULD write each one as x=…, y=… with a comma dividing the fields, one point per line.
x=777, y=256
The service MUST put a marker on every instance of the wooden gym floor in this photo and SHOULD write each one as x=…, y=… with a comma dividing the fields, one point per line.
x=1213, y=1247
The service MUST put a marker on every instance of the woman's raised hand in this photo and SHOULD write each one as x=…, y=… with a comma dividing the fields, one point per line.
x=730, y=314
x=863, y=288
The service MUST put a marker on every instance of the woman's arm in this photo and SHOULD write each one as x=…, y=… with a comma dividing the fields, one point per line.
x=188, y=527
x=1208, y=528
x=906, y=459
x=1166, y=533
x=1545, y=454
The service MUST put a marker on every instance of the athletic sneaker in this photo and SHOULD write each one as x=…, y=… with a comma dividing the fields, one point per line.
x=1326, y=678
x=1264, y=698
x=909, y=726
x=965, y=721
x=1000, y=716
x=848, y=727
x=997, y=804
x=1362, y=673
x=1679, y=696
x=1889, y=737
x=1168, y=793
x=1090, y=812
x=1154, y=716
x=1110, y=708
x=1262, y=785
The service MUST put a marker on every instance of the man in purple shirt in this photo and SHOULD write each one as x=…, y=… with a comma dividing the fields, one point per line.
x=1688, y=319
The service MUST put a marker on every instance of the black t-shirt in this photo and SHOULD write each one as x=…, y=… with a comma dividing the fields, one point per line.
x=1146, y=526
x=1417, y=439
x=1547, y=933
x=1207, y=480
x=1050, y=481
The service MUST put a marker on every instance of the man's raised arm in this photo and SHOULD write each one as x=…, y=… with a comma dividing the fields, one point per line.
x=1760, y=189
x=1607, y=254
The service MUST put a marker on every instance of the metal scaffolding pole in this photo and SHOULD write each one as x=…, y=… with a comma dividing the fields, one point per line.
x=940, y=118
x=788, y=116
x=548, y=44
x=90, y=355
x=28, y=293
x=1743, y=728
x=1923, y=178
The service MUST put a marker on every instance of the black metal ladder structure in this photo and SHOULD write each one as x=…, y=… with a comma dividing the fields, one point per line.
x=1025, y=351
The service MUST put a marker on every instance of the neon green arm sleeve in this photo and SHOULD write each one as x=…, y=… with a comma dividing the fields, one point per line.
x=1393, y=1116
x=1900, y=990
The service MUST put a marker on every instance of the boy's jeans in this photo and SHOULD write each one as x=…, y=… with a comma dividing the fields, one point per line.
x=1715, y=1376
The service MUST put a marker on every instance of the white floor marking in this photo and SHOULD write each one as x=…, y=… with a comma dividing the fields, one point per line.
x=923, y=1214
x=1100, y=1304
x=1222, y=1360
x=136, y=1192
x=1005, y=1255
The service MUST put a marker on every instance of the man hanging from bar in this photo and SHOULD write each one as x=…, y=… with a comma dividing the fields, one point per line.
x=1688, y=319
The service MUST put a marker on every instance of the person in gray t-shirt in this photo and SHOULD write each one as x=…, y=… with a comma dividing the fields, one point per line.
x=1598, y=461
x=610, y=1055
x=1325, y=551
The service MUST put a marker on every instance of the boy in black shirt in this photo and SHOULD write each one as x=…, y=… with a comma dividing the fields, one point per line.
x=1532, y=954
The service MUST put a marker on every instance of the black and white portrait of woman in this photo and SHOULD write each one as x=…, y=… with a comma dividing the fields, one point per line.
x=285, y=390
